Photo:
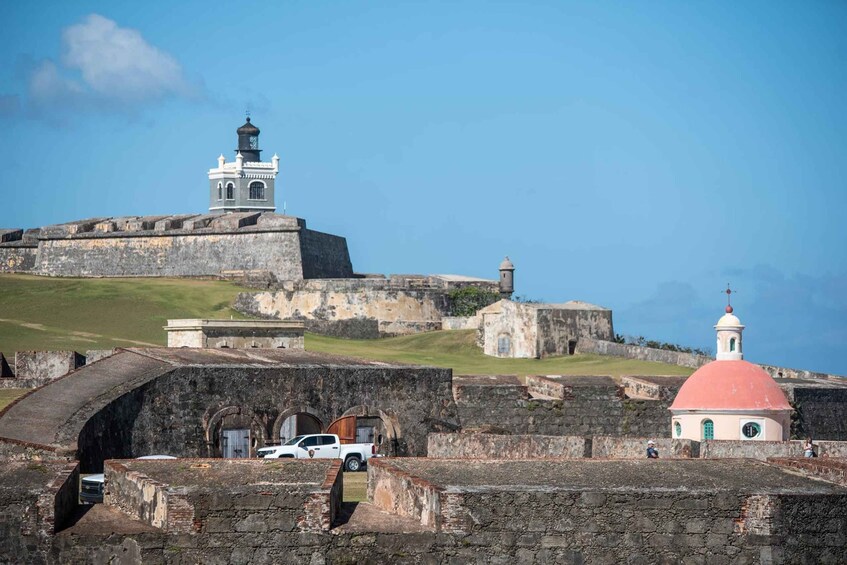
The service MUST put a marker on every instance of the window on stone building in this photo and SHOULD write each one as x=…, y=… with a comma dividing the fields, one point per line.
x=677, y=429
x=257, y=191
x=708, y=429
x=230, y=191
x=504, y=345
x=220, y=191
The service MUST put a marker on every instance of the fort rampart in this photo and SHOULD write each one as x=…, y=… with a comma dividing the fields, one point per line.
x=178, y=246
x=366, y=307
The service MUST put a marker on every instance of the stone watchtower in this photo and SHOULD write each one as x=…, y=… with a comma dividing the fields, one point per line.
x=507, y=278
x=247, y=184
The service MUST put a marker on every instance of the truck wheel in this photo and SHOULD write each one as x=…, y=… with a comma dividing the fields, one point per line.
x=353, y=464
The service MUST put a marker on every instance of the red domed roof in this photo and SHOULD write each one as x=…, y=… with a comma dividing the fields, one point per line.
x=730, y=385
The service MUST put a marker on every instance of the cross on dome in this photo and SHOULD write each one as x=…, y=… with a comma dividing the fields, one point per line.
x=729, y=292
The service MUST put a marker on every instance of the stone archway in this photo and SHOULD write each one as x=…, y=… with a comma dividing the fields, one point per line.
x=387, y=435
x=218, y=424
x=307, y=419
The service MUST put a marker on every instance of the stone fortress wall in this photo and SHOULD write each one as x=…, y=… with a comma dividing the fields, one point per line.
x=571, y=508
x=281, y=247
x=367, y=307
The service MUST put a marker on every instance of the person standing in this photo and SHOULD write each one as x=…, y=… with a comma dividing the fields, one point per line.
x=809, y=448
x=652, y=452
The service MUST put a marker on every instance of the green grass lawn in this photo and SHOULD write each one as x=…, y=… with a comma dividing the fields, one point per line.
x=355, y=487
x=79, y=314
x=458, y=350
x=7, y=395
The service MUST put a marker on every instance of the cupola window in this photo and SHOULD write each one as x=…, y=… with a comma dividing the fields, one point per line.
x=732, y=344
x=257, y=191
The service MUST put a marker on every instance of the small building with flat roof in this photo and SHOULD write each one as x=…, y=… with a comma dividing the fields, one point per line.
x=235, y=334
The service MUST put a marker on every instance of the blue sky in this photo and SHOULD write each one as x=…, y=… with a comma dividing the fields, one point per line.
x=635, y=155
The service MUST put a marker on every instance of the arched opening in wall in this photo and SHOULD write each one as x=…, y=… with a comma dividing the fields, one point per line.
x=230, y=191
x=233, y=433
x=708, y=429
x=571, y=346
x=380, y=427
x=298, y=424
x=732, y=344
x=295, y=421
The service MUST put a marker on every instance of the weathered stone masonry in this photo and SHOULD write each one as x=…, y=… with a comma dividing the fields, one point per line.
x=182, y=246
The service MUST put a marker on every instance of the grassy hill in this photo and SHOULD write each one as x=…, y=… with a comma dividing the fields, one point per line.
x=80, y=314
x=458, y=350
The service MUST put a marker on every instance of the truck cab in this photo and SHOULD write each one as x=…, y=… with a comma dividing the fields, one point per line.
x=321, y=446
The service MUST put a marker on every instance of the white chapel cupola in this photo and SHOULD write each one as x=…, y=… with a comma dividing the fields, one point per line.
x=246, y=184
x=729, y=330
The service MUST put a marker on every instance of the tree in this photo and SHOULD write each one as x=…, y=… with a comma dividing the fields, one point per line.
x=468, y=300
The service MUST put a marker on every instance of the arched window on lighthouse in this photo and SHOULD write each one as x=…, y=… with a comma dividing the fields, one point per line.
x=230, y=191
x=257, y=190
x=220, y=191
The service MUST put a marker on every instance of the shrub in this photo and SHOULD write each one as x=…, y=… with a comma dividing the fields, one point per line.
x=468, y=300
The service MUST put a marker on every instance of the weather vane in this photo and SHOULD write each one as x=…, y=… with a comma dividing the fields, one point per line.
x=729, y=292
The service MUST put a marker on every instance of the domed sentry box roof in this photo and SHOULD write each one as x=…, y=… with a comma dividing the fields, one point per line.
x=730, y=385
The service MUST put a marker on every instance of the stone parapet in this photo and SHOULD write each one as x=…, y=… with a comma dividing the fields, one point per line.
x=763, y=450
x=498, y=446
x=35, y=368
x=10, y=235
x=264, y=497
x=628, y=351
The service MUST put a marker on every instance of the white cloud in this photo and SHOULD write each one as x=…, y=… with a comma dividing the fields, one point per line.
x=117, y=63
x=102, y=68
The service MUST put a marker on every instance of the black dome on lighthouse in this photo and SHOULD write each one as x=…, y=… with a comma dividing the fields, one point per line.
x=247, y=129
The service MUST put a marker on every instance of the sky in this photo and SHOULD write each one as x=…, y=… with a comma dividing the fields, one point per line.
x=635, y=155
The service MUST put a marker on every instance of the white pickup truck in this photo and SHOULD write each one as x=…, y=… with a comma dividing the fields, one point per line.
x=322, y=446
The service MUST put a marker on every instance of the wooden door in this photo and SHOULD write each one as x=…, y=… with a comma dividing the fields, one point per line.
x=344, y=428
x=235, y=444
